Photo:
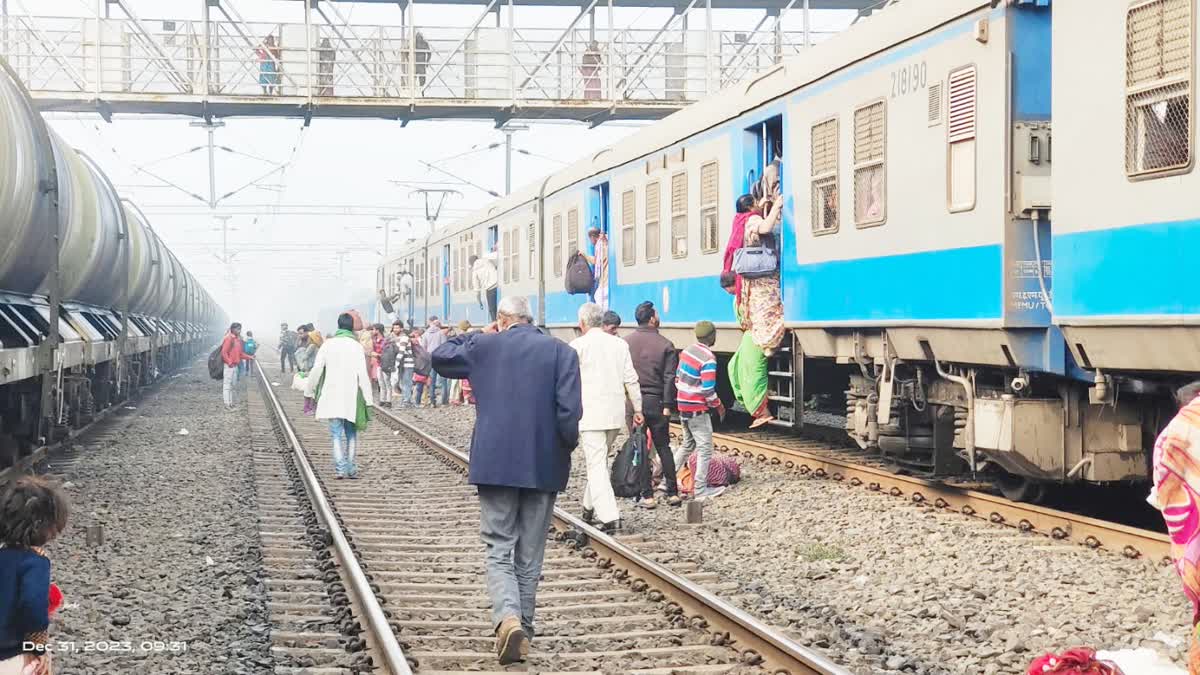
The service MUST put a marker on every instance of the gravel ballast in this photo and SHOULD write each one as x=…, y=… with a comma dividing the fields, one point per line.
x=885, y=586
x=174, y=586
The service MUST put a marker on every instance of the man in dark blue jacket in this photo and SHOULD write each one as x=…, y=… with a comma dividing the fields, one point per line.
x=528, y=406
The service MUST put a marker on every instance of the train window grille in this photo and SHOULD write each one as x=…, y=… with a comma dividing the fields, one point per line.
x=709, y=192
x=532, y=250
x=628, y=227
x=935, y=104
x=825, y=177
x=961, y=139
x=653, y=220
x=514, y=255
x=557, y=260
x=572, y=234
x=470, y=275
x=870, y=173
x=456, y=276
x=1158, y=80
x=679, y=215
x=505, y=247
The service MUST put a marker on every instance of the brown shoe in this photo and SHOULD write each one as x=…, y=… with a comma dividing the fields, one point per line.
x=511, y=642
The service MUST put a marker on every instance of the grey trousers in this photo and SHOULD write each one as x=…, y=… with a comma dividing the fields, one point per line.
x=513, y=523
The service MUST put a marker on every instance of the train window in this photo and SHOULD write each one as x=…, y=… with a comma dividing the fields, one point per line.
x=514, y=255
x=505, y=247
x=679, y=215
x=457, y=277
x=572, y=234
x=870, y=173
x=532, y=251
x=709, y=191
x=556, y=262
x=1158, y=81
x=961, y=139
x=478, y=253
x=653, y=218
x=628, y=227
x=825, y=177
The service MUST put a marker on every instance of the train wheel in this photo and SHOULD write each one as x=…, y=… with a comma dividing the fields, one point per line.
x=1023, y=489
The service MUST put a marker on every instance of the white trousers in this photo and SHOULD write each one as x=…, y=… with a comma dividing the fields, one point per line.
x=229, y=384
x=598, y=493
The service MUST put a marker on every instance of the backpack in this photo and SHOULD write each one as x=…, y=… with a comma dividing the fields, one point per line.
x=422, y=361
x=216, y=365
x=579, y=277
x=387, y=358
x=250, y=347
x=631, y=470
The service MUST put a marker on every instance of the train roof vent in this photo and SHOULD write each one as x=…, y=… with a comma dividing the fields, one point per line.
x=962, y=104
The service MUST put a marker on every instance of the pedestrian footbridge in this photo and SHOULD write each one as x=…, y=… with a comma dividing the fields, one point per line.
x=510, y=62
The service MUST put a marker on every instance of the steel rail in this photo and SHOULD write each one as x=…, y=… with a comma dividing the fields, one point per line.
x=384, y=640
x=753, y=637
x=1094, y=533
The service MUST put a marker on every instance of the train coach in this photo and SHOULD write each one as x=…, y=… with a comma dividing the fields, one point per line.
x=124, y=309
x=923, y=230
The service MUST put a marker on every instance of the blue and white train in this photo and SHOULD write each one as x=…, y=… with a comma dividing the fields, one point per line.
x=985, y=300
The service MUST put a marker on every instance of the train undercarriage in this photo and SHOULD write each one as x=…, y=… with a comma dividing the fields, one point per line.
x=45, y=409
x=1024, y=432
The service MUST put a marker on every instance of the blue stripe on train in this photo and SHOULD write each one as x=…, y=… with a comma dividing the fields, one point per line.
x=947, y=285
x=1135, y=270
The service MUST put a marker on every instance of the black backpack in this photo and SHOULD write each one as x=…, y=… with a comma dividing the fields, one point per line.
x=422, y=361
x=387, y=358
x=631, y=468
x=216, y=365
x=579, y=277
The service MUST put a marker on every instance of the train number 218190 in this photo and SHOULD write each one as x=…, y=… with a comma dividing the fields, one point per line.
x=908, y=80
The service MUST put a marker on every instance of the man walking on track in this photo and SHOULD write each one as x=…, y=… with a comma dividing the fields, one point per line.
x=527, y=394
x=655, y=360
x=232, y=356
x=287, y=349
x=339, y=382
x=607, y=376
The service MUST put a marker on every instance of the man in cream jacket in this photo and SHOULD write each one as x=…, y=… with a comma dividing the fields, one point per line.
x=343, y=366
x=607, y=377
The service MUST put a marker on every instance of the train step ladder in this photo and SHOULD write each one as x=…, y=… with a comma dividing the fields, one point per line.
x=785, y=395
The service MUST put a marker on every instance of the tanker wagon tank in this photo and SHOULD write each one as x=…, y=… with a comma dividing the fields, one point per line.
x=93, y=305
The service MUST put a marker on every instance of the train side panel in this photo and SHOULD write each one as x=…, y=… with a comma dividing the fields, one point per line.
x=1126, y=217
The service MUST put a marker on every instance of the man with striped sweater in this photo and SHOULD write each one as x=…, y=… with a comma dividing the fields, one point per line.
x=696, y=387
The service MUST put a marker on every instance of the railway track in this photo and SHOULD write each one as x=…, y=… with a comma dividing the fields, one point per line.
x=823, y=460
x=385, y=574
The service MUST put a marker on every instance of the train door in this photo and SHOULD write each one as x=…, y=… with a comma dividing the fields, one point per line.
x=763, y=159
x=445, y=281
x=598, y=208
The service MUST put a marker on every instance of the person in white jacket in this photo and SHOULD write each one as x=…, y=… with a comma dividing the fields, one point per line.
x=343, y=367
x=607, y=377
